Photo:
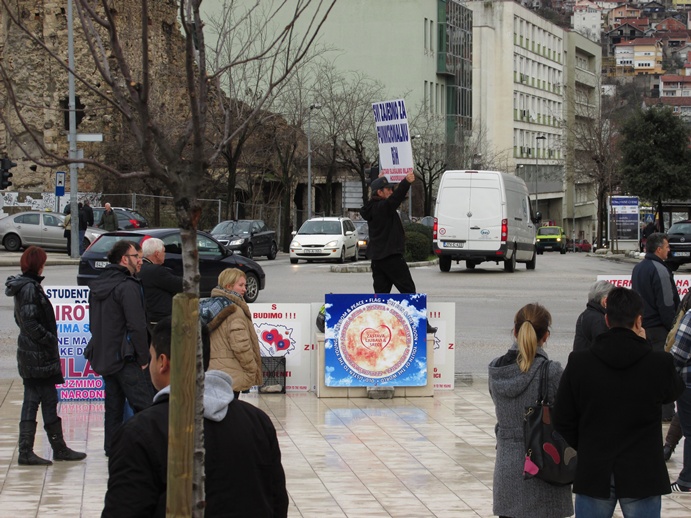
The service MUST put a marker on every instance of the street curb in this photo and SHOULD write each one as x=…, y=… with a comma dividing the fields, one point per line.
x=366, y=267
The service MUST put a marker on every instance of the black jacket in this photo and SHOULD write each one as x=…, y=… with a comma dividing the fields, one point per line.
x=89, y=213
x=608, y=407
x=590, y=324
x=386, y=234
x=38, y=357
x=244, y=475
x=117, y=321
x=160, y=285
x=654, y=281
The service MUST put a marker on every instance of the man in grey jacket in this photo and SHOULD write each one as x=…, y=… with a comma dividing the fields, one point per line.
x=118, y=349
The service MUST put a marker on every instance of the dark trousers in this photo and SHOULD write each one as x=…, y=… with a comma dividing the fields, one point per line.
x=657, y=336
x=131, y=383
x=69, y=243
x=684, y=408
x=392, y=271
x=44, y=394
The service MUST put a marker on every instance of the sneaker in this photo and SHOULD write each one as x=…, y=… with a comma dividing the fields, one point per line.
x=676, y=488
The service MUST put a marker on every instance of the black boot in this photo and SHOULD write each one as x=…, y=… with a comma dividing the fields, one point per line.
x=57, y=442
x=27, y=457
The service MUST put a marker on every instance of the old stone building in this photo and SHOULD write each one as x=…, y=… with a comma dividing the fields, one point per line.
x=34, y=94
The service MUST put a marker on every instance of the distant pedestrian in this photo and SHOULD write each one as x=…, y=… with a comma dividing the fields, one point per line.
x=83, y=225
x=654, y=281
x=514, y=381
x=89, y=213
x=159, y=282
x=119, y=348
x=608, y=408
x=67, y=232
x=38, y=360
x=591, y=322
x=109, y=220
x=386, y=247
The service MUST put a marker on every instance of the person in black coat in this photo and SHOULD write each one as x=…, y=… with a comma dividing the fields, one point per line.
x=244, y=474
x=608, y=407
x=160, y=283
x=38, y=360
x=591, y=322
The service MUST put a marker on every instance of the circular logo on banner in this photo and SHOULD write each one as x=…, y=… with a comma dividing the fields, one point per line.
x=376, y=340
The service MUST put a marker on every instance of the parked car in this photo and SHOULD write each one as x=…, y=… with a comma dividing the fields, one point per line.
x=39, y=228
x=362, y=237
x=325, y=238
x=428, y=221
x=128, y=219
x=583, y=245
x=250, y=237
x=213, y=259
x=679, y=235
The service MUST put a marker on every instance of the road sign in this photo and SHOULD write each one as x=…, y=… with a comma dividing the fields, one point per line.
x=60, y=183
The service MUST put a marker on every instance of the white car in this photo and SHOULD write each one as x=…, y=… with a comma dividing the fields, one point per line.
x=39, y=228
x=325, y=238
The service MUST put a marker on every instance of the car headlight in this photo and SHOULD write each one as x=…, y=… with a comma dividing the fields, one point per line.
x=294, y=244
x=362, y=242
x=538, y=240
x=238, y=241
x=331, y=244
x=558, y=239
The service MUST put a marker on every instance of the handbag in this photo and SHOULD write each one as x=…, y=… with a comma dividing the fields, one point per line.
x=548, y=456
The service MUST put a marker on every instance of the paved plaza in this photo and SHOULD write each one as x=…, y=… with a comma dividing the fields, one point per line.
x=406, y=457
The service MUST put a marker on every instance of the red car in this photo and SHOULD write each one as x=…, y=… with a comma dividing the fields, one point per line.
x=582, y=245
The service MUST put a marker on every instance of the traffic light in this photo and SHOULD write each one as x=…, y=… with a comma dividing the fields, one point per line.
x=5, y=165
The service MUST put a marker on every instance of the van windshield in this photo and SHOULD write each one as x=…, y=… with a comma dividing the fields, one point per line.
x=549, y=231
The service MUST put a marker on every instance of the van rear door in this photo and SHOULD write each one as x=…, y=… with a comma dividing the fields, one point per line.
x=469, y=212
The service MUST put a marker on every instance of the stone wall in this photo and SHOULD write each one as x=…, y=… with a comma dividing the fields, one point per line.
x=40, y=84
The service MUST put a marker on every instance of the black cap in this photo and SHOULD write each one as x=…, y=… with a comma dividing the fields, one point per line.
x=380, y=183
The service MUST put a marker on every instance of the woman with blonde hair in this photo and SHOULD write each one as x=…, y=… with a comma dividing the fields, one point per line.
x=234, y=342
x=514, y=380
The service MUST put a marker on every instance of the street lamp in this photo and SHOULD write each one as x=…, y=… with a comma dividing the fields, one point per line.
x=315, y=106
x=539, y=137
x=410, y=192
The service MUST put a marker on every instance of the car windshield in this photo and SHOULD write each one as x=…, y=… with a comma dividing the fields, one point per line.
x=549, y=231
x=361, y=226
x=232, y=227
x=680, y=228
x=104, y=243
x=320, y=227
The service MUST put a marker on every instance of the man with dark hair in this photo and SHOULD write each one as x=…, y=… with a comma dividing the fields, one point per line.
x=654, y=281
x=244, y=474
x=386, y=247
x=118, y=349
x=608, y=408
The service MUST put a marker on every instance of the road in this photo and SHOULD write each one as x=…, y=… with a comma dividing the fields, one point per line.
x=486, y=299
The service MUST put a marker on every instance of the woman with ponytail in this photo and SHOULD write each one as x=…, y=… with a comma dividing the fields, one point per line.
x=514, y=380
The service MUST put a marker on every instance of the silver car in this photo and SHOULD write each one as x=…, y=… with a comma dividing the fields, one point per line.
x=38, y=228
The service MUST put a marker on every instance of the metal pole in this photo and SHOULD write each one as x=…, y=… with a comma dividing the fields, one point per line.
x=74, y=183
x=314, y=106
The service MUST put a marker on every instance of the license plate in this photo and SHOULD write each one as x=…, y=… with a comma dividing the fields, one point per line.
x=101, y=264
x=312, y=251
x=454, y=244
x=682, y=254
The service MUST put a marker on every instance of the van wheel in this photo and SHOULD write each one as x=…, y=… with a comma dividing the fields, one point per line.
x=510, y=264
x=673, y=266
x=445, y=263
x=530, y=265
x=470, y=265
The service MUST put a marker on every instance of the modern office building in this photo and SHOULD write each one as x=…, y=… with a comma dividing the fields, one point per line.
x=523, y=70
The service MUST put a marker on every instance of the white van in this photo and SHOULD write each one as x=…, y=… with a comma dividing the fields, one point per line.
x=483, y=216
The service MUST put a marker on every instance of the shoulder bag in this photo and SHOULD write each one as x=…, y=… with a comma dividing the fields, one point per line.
x=548, y=456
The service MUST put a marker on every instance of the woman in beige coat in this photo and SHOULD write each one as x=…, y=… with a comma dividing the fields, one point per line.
x=234, y=342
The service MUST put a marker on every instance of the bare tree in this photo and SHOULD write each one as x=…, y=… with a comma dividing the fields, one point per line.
x=173, y=138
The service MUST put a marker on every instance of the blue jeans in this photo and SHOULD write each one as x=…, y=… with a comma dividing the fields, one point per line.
x=684, y=410
x=44, y=394
x=589, y=507
x=130, y=383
